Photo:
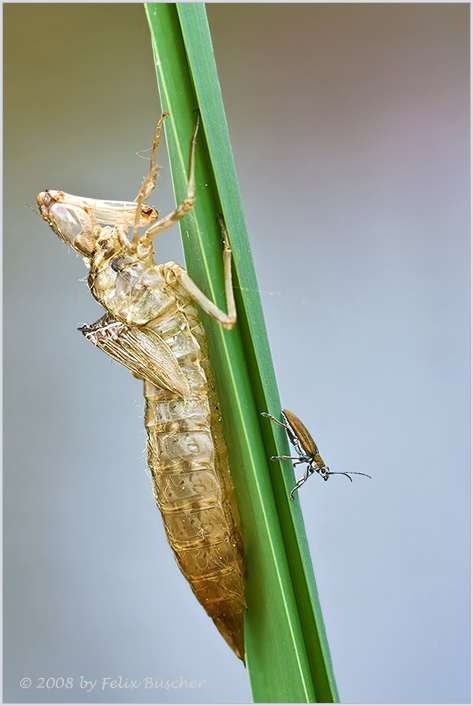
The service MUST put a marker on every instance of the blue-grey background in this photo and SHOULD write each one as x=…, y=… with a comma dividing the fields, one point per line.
x=350, y=129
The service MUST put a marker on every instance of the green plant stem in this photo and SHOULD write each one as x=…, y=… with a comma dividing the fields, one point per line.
x=287, y=653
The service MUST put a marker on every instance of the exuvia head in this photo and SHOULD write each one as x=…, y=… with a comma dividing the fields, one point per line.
x=79, y=221
x=70, y=221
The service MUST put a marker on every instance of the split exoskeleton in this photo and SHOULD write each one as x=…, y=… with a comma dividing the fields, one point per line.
x=153, y=328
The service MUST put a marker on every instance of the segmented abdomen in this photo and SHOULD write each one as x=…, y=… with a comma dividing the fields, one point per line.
x=191, y=479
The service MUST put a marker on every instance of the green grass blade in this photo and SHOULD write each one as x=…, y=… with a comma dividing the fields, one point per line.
x=288, y=658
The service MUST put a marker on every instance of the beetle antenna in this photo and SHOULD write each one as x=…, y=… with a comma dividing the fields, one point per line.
x=348, y=474
x=340, y=473
x=330, y=473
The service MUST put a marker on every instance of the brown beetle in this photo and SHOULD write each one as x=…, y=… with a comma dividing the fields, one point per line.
x=306, y=448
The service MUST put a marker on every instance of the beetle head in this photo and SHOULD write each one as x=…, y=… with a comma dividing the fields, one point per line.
x=323, y=471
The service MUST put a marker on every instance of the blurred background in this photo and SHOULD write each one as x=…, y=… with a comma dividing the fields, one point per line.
x=350, y=129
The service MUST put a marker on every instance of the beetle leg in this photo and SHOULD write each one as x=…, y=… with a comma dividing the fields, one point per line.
x=292, y=438
x=276, y=421
x=300, y=482
x=297, y=459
